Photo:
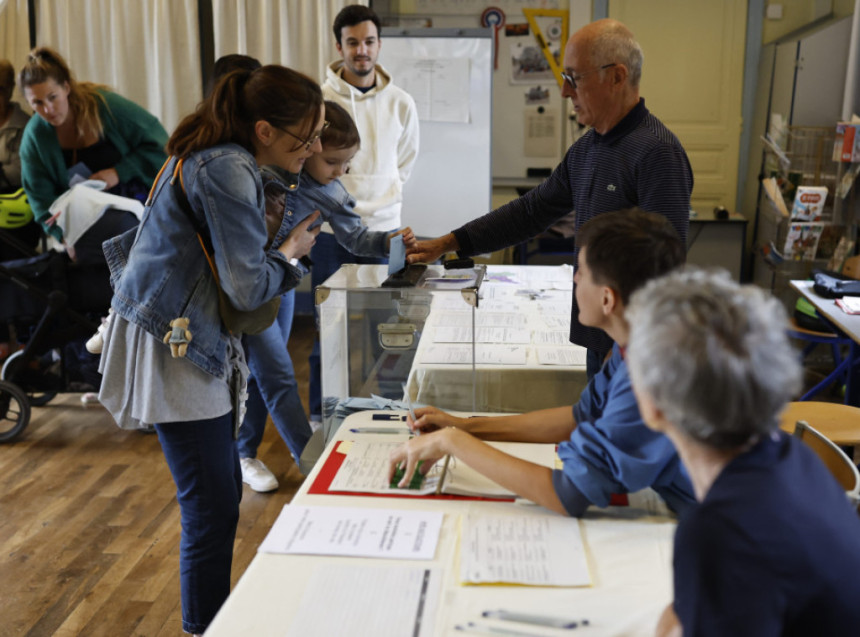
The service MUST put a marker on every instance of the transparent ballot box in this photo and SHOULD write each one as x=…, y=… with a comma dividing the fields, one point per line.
x=499, y=344
x=369, y=334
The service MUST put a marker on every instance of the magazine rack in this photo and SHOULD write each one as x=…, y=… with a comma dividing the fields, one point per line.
x=807, y=161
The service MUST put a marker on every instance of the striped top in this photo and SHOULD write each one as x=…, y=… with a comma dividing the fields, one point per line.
x=637, y=163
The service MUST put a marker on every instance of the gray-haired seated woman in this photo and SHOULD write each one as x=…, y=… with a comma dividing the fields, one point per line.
x=773, y=547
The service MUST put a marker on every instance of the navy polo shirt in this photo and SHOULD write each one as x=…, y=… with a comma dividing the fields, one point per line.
x=637, y=163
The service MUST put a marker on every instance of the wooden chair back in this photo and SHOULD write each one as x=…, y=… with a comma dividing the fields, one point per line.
x=836, y=460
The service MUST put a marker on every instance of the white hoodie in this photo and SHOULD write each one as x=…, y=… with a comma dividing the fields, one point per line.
x=387, y=121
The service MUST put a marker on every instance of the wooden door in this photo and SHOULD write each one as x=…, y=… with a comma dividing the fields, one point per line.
x=692, y=80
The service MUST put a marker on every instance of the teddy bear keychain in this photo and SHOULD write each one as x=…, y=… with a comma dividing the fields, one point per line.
x=178, y=337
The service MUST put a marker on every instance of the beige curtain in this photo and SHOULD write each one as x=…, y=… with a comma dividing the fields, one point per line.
x=14, y=37
x=295, y=33
x=145, y=50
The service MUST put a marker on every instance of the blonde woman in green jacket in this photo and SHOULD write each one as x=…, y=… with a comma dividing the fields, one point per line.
x=82, y=129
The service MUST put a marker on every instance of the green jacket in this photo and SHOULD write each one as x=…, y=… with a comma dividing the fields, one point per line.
x=136, y=133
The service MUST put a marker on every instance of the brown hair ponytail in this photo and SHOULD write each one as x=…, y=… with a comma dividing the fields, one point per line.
x=44, y=63
x=240, y=99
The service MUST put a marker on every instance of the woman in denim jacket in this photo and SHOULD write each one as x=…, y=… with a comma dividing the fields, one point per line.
x=268, y=116
x=272, y=388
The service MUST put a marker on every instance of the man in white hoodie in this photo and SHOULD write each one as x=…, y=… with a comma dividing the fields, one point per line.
x=387, y=121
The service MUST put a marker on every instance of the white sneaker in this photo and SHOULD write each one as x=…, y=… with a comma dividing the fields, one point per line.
x=257, y=475
x=96, y=342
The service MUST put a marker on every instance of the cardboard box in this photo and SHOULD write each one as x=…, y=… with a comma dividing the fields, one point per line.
x=847, y=145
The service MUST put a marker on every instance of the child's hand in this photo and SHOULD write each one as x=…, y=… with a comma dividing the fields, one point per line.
x=301, y=238
x=408, y=238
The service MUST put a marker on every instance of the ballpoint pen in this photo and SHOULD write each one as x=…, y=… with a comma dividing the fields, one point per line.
x=408, y=402
x=529, y=618
x=379, y=430
x=486, y=629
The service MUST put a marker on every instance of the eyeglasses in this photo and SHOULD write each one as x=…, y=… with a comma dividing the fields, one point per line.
x=573, y=79
x=307, y=143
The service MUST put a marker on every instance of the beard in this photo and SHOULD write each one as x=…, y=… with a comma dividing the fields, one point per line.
x=360, y=71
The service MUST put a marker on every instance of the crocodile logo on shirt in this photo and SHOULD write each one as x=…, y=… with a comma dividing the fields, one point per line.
x=611, y=187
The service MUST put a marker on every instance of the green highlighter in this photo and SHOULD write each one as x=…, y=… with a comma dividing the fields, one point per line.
x=415, y=483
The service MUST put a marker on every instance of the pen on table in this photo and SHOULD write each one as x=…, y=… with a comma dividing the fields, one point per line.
x=379, y=430
x=529, y=618
x=408, y=402
x=409, y=407
x=444, y=473
x=389, y=417
x=486, y=629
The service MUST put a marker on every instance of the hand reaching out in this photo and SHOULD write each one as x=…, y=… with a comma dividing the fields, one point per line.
x=300, y=240
x=431, y=419
x=430, y=250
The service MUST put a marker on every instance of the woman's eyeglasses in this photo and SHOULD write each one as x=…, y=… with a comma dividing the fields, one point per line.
x=307, y=143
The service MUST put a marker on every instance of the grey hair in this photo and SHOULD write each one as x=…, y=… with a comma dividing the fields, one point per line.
x=615, y=44
x=712, y=354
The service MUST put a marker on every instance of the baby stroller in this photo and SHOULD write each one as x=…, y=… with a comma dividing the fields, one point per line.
x=51, y=305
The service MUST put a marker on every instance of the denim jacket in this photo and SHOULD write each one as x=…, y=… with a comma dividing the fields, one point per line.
x=159, y=271
x=336, y=207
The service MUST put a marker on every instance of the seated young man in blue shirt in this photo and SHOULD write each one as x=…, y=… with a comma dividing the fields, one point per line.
x=773, y=546
x=605, y=447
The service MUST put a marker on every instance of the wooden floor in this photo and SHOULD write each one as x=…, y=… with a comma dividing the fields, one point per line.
x=89, y=524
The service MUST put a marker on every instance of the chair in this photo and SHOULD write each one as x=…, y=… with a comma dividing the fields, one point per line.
x=836, y=342
x=840, y=465
x=839, y=423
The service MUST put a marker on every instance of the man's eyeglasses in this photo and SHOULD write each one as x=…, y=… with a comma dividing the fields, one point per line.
x=307, y=143
x=573, y=79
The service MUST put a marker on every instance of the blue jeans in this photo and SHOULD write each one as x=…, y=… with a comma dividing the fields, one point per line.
x=202, y=457
x=327, y=255
x=272, y=387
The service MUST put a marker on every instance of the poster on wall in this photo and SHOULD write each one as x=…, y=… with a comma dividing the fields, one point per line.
x=541, y=132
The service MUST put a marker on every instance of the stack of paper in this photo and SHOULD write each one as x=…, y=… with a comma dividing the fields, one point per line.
x=530, y=550
x=849, y=304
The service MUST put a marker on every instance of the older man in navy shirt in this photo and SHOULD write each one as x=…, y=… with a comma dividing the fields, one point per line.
x=628, y=159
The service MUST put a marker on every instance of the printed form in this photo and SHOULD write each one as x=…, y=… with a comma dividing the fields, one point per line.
x=342, y=599
x=355, y=532
x=529, y=550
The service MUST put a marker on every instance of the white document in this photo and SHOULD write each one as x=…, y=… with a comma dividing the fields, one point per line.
x=482, y=319
x=568, y=356
x=502, y=277
x=355, y=532
x=482, y=335
x=501, y=305
x=366, y=466
x=557, y=321
x=555, y=307
x=554, y=337
x=484, y=355
x=541, y=132
x=529, y=550
x=507, y=293
x=450, y=301
x=368, y=601
x=440, y=88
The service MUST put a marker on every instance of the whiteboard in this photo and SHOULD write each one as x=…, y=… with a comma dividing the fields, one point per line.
x=451, y=182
